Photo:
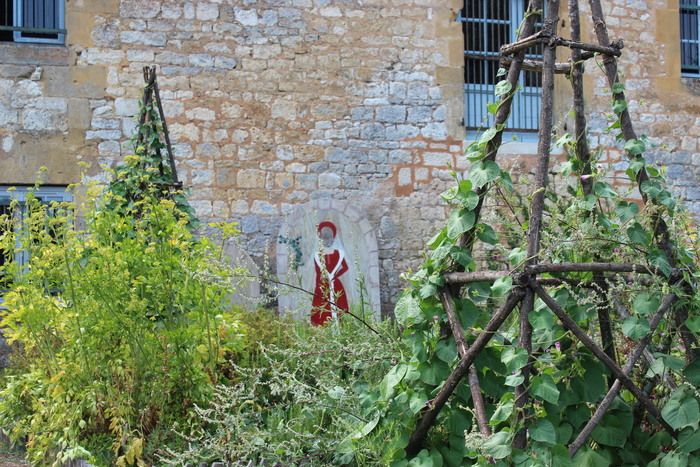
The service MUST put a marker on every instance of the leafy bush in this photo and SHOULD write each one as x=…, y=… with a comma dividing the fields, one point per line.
x=306, y=398
x=120, y=326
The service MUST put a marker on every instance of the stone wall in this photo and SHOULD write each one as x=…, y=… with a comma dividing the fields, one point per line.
x=275, y=103
x=270, y=104
x=663, y=105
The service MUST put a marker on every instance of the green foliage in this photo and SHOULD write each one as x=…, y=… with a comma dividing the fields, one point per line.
x=146, y=173
x=306, y=398
x=566, y=381
x=122, y=326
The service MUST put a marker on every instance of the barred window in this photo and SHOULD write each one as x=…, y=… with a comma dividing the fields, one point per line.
x=690, y=40
x=487, y=25
x=32, y=21
x=45, y=195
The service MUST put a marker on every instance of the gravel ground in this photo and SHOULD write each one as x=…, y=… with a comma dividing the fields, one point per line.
x=11, y=460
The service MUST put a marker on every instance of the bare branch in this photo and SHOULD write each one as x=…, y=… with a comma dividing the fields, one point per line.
x=627, y=370
x=571, y=325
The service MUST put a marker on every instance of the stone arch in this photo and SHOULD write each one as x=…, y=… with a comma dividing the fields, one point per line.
x=295, y=259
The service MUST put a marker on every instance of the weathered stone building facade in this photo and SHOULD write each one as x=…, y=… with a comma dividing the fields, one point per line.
x=275, y=103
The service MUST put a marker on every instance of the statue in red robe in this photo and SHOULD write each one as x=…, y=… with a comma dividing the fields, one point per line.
x=330, y=300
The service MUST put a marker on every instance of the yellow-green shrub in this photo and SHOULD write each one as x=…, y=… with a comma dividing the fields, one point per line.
x=122, y=327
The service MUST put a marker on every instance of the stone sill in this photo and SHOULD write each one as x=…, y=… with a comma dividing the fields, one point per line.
x=16, y=53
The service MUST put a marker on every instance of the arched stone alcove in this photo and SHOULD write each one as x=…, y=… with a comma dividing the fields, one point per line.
x=297, y=245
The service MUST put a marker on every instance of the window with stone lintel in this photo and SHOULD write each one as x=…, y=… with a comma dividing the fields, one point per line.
x=37, y=21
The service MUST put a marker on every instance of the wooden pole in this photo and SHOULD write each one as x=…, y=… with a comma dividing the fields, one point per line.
x=433, y=407
x=661, y=232
x=462, y=347
x=537, y=209
x=584, y=156
x=553, y=40
x=467, y=239
x=513, y=77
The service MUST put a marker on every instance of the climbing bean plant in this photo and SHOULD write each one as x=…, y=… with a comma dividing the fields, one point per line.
x=566, y=380
x=145, y=173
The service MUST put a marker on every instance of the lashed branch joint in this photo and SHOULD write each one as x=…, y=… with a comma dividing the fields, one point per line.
x=552, y=40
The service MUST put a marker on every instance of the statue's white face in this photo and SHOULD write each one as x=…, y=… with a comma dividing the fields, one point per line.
x=326, y=236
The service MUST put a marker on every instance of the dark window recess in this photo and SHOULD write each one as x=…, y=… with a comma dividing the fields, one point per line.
x=5, y=256
x=48, y=197
x=487, y=25
x=32, y=21
x=690, y=37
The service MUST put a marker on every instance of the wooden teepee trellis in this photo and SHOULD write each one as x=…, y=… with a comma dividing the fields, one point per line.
x=151, y=95
x=527, y=285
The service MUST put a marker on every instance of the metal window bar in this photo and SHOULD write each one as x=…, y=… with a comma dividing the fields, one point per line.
x=32, y=21
x=689, y=13
x=488, y=24
x=5, y=256
x=45, y=195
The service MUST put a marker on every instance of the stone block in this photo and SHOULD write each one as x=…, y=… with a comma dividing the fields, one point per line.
x=207, y=11
x=126, y=107
x=202, y=60
x=404, y=177
x=157, y=39
x=246, y=17
x=391, y=114
x=139, y=8
x=400, y=156
x=420, y=114
x=372, y=131
x=296, y=167
x=201, y=113
x=264, y=208
x=331, y=12
x=23, y=92
x=42, y=120
x=202, y=177
x=7, y=143
x=8, y=116
x=437, y=158
x=109, y=148
x=250, y=178
x=417, y=91
x=136, y=55
x=227, y=63
x=284, y=109
x=179, y=131
x=269, y=17
x=399, y=132
x=36, y=55
x=171, y=58
x=105, y=32
x=435, y=131
x=207, y=150
x=329, y=180
x=98, y=123
x=171, y=11
x=102, y=134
